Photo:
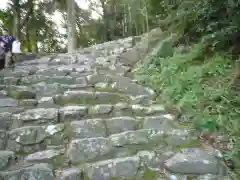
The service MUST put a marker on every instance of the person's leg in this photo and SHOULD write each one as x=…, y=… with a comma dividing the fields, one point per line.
x=13, y=59
x=8, y=56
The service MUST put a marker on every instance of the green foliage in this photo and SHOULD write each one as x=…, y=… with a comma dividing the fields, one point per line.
x=217, y=20
x=198, y=87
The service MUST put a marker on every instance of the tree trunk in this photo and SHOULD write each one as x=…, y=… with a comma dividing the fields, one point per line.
x=129, y=22
x=18, y=23
x=71, y=16
x=146, y=16
x=29, y=44
x=16, y=19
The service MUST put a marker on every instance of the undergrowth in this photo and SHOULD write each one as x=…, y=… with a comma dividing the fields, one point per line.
x=200, y=88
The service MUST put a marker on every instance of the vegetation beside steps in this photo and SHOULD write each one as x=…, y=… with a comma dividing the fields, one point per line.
x=200, y=88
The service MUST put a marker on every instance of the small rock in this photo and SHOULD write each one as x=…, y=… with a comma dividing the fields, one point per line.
x=88, y=128
x=38, y=114
x=28, y=135
x=121, y=124
x=69, y=174
x=113, y=168
x=94, y=79
x=158, y=122
x=53, y=129
x=72, y=113
x=82, y=150
x=100, y=109
x=43, y=155
x=130, y=138
x=46, y=102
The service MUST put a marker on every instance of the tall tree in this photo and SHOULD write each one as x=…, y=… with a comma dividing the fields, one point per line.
x=20, y=17
x=71, y=17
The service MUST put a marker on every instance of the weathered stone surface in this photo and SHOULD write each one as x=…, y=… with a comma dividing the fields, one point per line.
x=10, y=80
x=113, y=168
x=141, y=99
x=123, y=109
x=43, y=155
x=96, y=78
x=46, y=102
x=82, y=150
x=21, y=92
x=5, y=158
x=33, y=79
x=47, y=90
x=130, y=137
x=28, y=135
x=131, y=88
x=81, y=81
x=178, y=137
x=34, y=172
x=80, y=97
x=192, y=161
x=28, y=102
x=213, y=177
x=72, y=113
x=147, y=110
x=3, y=139
x=88, y=128
x=100, y=109
x=88, y=97
x=61, y=80
x=163, y=122
x=8, y=102
x=121, y=124
x=52, y=129
x=111, y=98
x=69, y=174
x=38, y=115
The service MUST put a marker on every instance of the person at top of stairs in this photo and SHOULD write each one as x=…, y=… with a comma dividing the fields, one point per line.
x=6, y=42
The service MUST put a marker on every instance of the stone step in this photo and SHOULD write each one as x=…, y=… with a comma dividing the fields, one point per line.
x=90, y=149
x=77, y=116
x=58, y=134
x=105, y=82
x=29, y=139
x=120, y=83
x=124, y=168
x=117, y=136
x=38, y=116
x=104, y=127
x=36, y=171
x=125, y=143
x=89, y=97
x=64, y=79
x=137, y=167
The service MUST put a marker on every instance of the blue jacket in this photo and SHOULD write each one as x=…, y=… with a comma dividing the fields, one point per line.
x=8, y=41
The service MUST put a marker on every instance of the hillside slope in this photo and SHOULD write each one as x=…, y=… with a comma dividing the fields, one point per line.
x=79, y=116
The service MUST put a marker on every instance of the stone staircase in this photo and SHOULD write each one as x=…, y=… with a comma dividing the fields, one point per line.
x=79, y=117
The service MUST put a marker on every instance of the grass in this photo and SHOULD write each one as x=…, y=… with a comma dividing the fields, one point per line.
x=198, y=87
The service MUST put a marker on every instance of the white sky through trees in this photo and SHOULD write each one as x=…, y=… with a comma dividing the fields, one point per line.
x=57, y=18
